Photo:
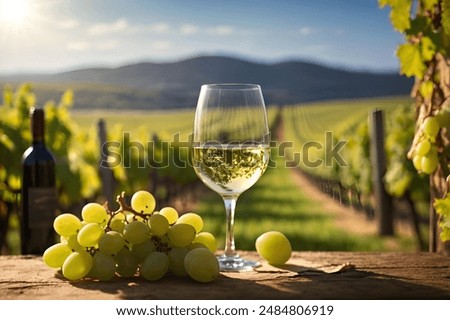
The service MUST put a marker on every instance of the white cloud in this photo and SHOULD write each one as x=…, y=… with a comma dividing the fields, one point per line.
x=221, y=30
x=107, y=45
x=306, y=31
x=68, y=24
x=107, y=28
x=98, y=46
x=78, y=46
x=188, y=29
x=159, y=27
x=162, y=45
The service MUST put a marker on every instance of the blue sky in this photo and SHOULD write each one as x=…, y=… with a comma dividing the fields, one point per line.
x=56, y=35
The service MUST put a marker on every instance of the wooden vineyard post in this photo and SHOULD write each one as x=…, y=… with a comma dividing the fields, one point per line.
x=106, y=173
x=382, y=207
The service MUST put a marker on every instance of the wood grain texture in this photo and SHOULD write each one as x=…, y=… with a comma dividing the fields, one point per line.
x=308, y=275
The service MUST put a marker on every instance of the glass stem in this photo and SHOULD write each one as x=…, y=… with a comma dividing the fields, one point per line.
x=230, y=205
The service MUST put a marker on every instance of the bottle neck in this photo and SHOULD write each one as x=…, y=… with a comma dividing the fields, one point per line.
x=37, y=126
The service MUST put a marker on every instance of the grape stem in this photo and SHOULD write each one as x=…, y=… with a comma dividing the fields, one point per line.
x=123, y=206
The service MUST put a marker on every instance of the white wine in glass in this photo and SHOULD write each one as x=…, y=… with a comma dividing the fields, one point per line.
x=231, y=149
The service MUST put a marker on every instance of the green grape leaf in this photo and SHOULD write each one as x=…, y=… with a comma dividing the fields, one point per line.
x=428, y=48
x=442, y=206
x=400, y=14
x=426, y=89
x=411, y=63
x=445, y=234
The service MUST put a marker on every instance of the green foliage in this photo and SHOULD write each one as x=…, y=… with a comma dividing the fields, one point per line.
x=75, y=151
x=424, y=38
x=425, y=56
x=442, y=207
x=401, y=177
x=356, y=153
x=139, y=155
x=350, y=124
x=411, y=60
x=14, y=139
x=144, y=160
x=400, y=13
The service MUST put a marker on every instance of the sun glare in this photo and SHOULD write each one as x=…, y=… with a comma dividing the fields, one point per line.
x=14, y=12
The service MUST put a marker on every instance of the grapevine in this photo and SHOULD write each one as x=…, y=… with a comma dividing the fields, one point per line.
x=425, y=55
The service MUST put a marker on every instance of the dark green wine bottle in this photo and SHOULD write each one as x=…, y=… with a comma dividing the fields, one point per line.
x=39, y=196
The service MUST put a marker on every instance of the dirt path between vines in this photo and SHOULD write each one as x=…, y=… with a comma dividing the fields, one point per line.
x=346, y=218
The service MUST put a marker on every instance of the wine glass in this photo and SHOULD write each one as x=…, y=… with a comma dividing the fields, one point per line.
x=231, y=150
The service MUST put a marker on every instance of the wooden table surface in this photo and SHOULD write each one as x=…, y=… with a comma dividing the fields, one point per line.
x=308, y=275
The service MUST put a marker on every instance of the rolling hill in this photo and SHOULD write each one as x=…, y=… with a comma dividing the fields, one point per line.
x=177, y=84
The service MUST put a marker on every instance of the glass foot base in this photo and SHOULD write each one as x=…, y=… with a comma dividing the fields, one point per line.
x=236, y=263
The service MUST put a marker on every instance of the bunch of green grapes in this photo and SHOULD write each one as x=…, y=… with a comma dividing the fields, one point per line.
x=425, y=153
x=134, y=240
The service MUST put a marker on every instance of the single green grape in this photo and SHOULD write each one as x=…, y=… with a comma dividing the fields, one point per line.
x=159, y=225
x=127, y=263
x=170, y=213
x=94, y=212
x=117, y=224
x=103, y=267
x=431, y=126
x=77, y=265
x=207, y=239
x=136, y=232
x=155, y=266
x=193, y=219
x=274, y=247
x=67, y=224
x=417, y=162
x=201, y=265
x=176, y=261
x=181, y=235
x=142, y=250
x=429, y=163
x=55, y=255
x=90, y=234
x=73, y=243
x=423, y=147
x=110, y=243
x=143, y=202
